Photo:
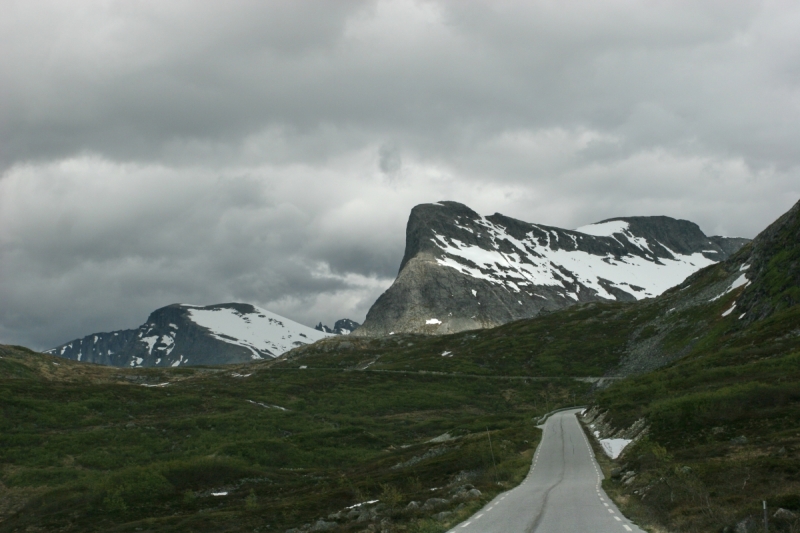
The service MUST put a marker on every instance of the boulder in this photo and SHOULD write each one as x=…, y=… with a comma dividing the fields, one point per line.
x=433, y=503
x=322, y=525
x=784, y=515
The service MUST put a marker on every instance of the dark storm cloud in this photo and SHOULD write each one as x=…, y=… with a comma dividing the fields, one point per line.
x=157, y=152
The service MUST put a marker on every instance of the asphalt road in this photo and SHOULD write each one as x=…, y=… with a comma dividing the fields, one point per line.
x=561, y=493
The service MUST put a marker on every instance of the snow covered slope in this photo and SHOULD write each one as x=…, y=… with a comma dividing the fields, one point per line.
x=182, y=334
x=462, y=270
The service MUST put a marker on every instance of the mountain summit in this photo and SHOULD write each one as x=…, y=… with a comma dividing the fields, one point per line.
x=465, y=271
x=182, y=334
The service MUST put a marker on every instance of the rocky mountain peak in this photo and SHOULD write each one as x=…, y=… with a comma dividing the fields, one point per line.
x=183, y=334
x=462, y=270
x=343, y=326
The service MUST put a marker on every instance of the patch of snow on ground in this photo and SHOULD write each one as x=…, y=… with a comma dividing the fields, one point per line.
x=447, y=353
x=262, y=332
x=371, y=501
x=267, y=406
x=741, y=280
x=604, y=229
x=159, y=385
x=729, y=311
x=474, y=293
x=744, y=267
x=614, y=447
x=433, y=321
x=225, y=493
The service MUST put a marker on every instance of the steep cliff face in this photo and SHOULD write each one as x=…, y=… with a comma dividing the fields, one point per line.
x=181, y=334
x=465, y=271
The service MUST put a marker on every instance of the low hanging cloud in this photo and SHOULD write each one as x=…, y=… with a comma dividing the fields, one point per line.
x=154, y=153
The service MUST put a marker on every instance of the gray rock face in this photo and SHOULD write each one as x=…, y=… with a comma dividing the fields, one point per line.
x=464, y=271
x=180, y=335
x=344, y=326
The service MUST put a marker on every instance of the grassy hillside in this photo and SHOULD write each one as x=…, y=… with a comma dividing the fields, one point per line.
x=725, y=417
x=88, y=448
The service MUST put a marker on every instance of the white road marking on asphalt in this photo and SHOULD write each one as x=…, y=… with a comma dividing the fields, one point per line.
x=617, y=519
x=465, y=525
x=611, y=511
x=480, y=515
x=605, y=504
x=626, y=527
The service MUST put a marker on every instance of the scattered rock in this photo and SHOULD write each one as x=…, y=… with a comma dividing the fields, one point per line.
x=741, y=440
x=412, y=506
x=444, y=437
x=748, y=525
x=432, y=503
x=784, y=515
x=444, y=515
x=616, y=473
x=322, y=525
x=430, y=454
x=686, y=470
x=366, y=515
x=717, y=430
x=466, y=492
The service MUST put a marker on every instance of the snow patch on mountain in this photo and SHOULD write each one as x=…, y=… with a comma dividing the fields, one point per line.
x=604, y=229
x=262, y=332
x=532, y=263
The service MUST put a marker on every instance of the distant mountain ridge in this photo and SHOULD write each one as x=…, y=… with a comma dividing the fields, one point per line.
x=465, y=271
x=344, y=326
x=182, y=334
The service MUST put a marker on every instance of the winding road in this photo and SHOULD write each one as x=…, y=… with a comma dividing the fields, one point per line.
x=561, y=494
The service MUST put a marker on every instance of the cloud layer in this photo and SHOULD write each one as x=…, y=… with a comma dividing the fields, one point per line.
x=162, y=152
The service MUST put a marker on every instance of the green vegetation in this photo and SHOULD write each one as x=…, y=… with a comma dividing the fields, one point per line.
x=724, y=429
x=574, y=342
x=94, y=449
x=724, y=416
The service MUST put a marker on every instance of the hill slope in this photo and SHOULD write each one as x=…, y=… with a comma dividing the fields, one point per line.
x=723, y=419
x=182, y=334
x=463, y=271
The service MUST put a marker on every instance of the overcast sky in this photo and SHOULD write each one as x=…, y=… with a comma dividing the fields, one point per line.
x=155, y=152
